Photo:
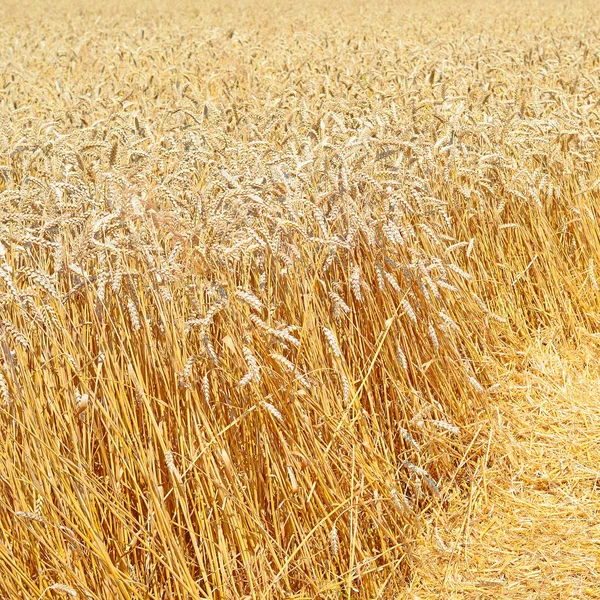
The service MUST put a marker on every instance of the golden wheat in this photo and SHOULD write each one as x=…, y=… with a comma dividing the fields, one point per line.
x=260, y=267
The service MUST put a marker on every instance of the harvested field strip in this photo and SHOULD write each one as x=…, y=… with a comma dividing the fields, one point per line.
x=529, y=524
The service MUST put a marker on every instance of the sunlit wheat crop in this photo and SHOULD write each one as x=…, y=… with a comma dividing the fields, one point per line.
x=260, y=267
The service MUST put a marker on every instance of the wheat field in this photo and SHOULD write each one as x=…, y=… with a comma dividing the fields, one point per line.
x=268, y=272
